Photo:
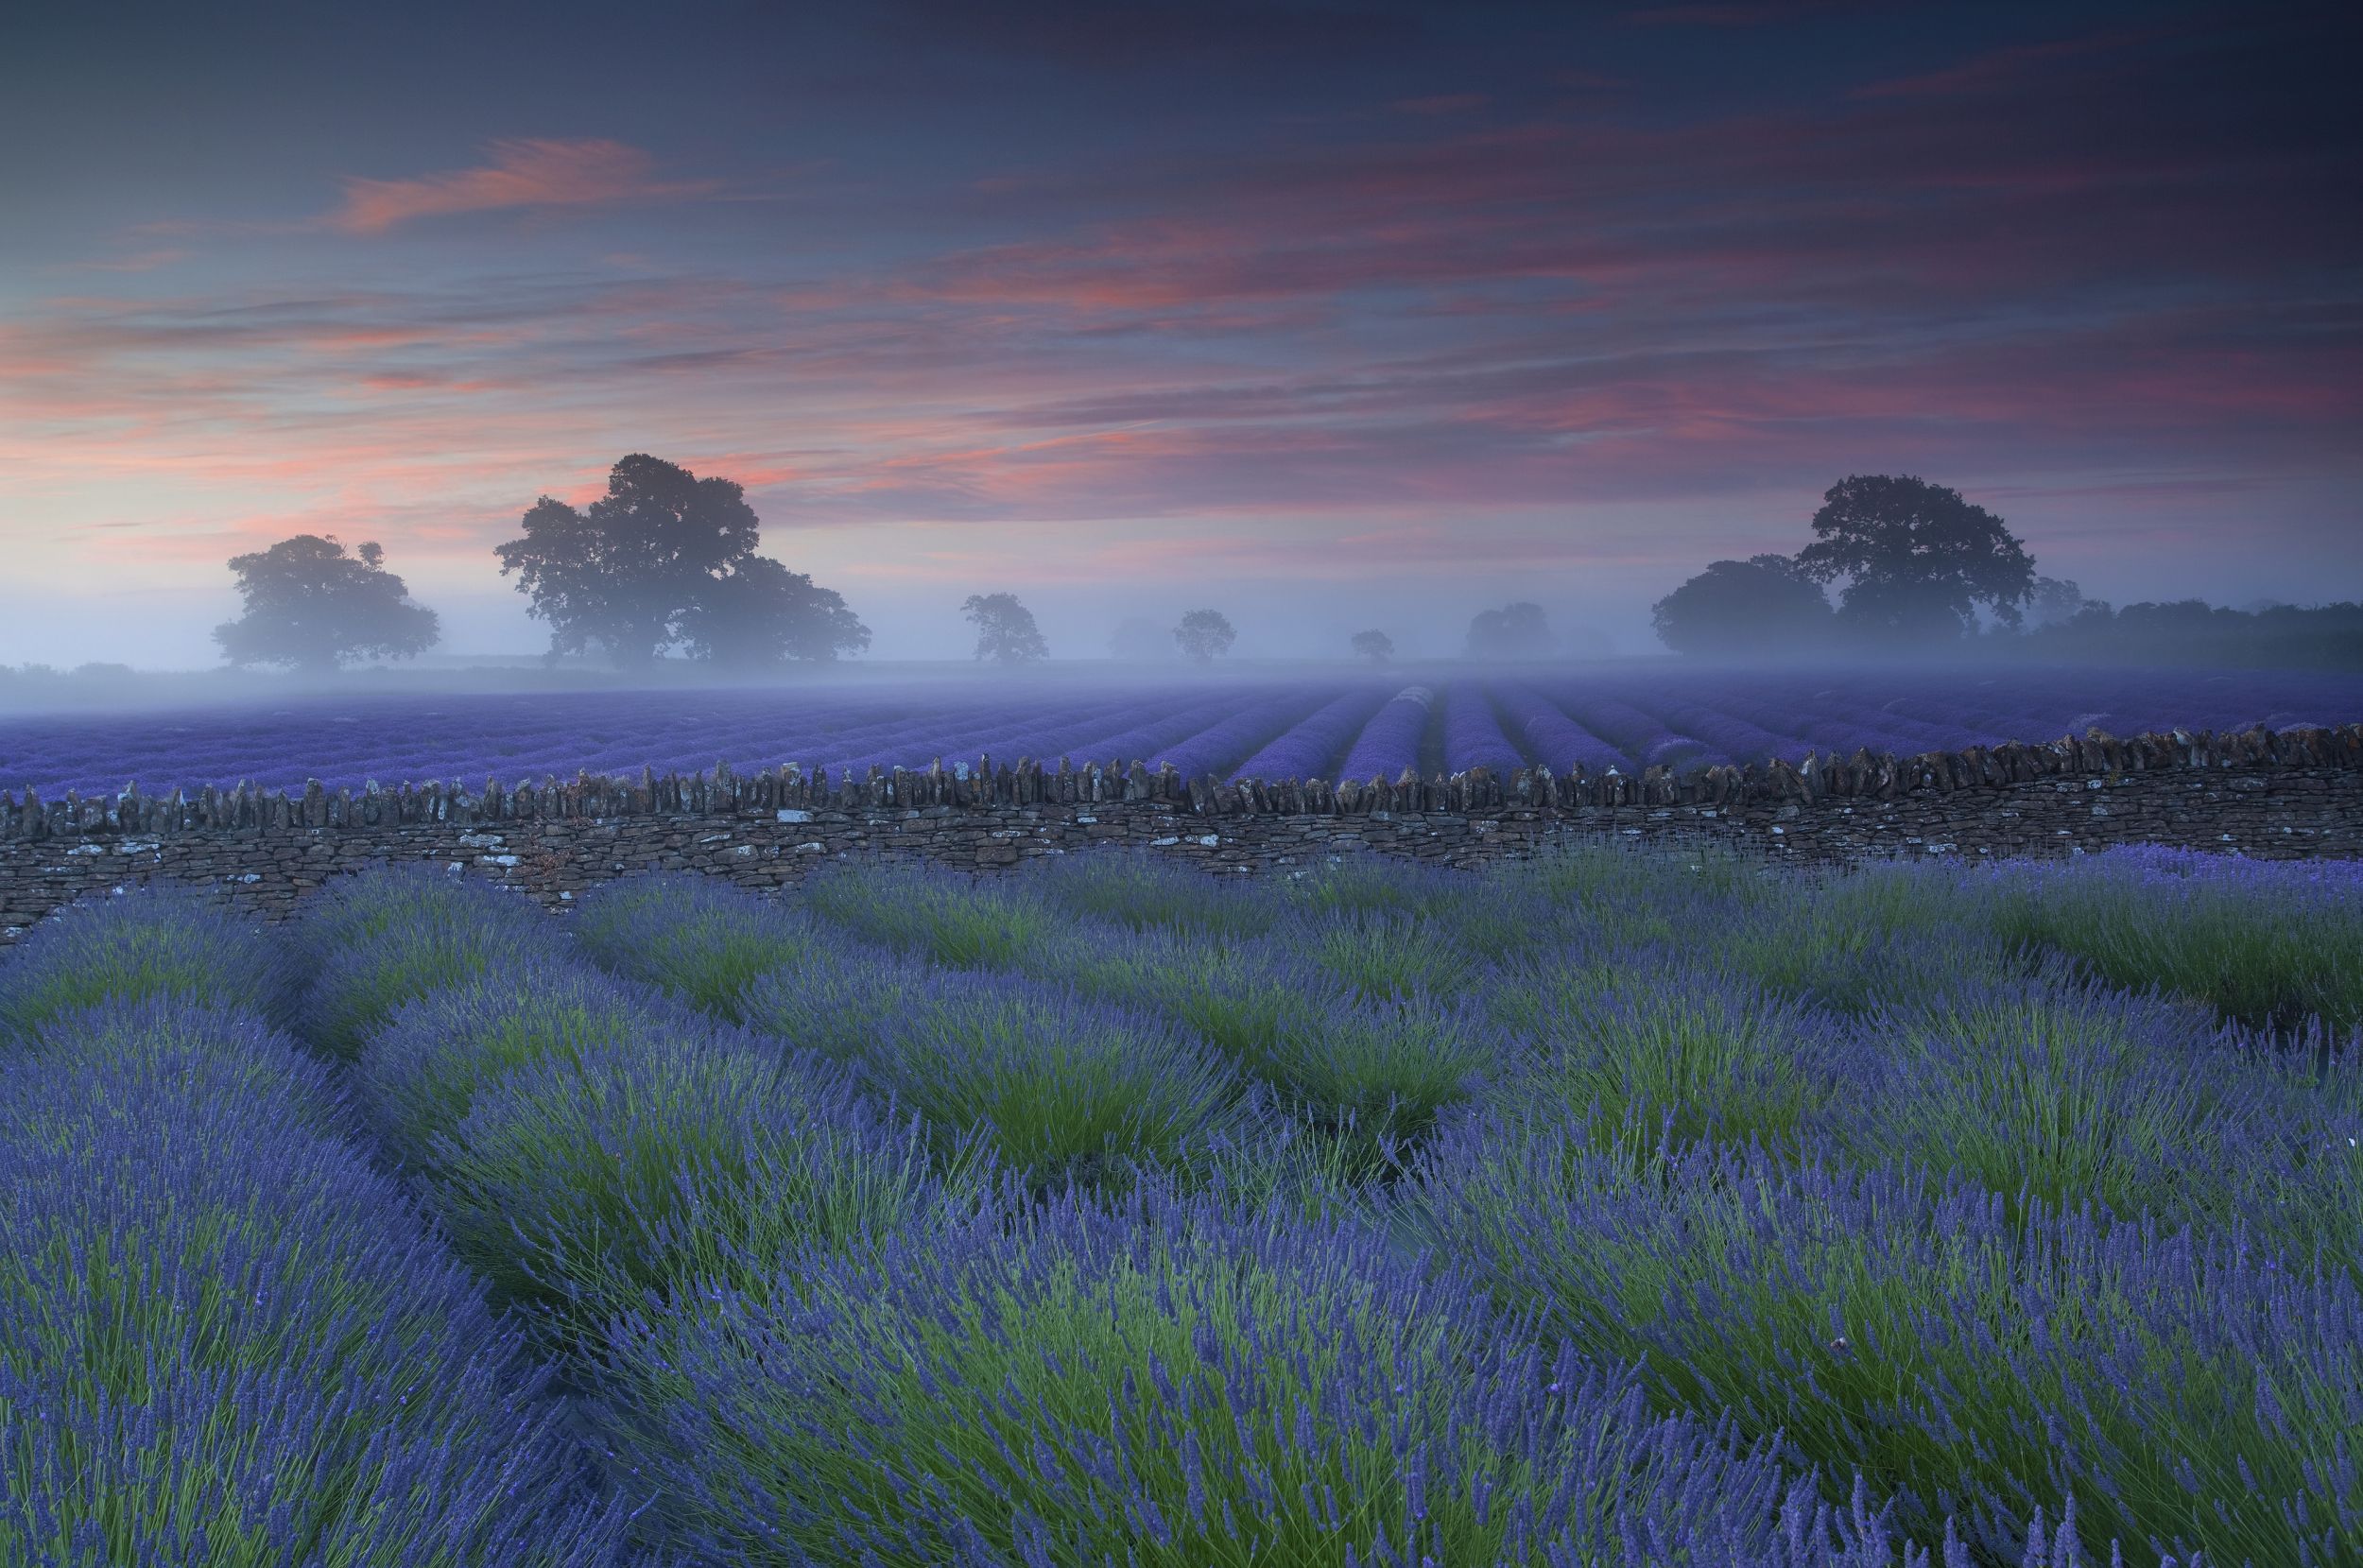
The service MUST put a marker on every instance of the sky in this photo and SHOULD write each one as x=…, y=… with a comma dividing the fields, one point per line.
x=1328, y=316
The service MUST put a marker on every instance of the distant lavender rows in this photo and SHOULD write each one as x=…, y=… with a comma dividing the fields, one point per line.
x=1345, y=728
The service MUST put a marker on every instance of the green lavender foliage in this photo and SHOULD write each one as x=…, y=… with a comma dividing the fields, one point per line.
x=1973, y=1366
x=1161, y=1382
x=2263, y=942
x=418, y=1075
x=697, y=937
x=576, y=1183
x=2060, y=1094
x=1643, y=1035
x=382, y=937
x=158, y=939
x=225, y=1339
x=2016, y=1202
x=1141, y=892
x=958, y=920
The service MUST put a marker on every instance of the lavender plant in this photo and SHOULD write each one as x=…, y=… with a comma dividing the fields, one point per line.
x=1316, y=742
x=358, y=908
x=224, y=1339
x=1472, y=733
x=1061, y=1087
x=1239, y=735
x=1385, y=955
x=1390, y=744
x=2061, y=1094
x=2267, y=942
x=1383, y=1065
x=1135, y=891
x=959, y=921
x=417, y=1077
x=1621, y=874
x=697, y=936
x=1837, y=946
x=2189, y=1395
x=1665, y=1044
x=574, y=1185
x=1557, y=741
x=154, y=938
x=1162, y=1382
x=359, y=987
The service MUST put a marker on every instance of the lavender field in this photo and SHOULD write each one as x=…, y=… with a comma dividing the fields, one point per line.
x=1328, y=728
x=1633, y=1208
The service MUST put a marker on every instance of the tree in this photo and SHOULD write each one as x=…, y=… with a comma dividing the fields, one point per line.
x=1513, y=631
x=1374, y=645
x=622, y=572
x=2053, y=601
x=1205, y=635
x=760, y=614
x=1919, y=560
x=311, y=607
x=1762, y=605
x=1005, y=628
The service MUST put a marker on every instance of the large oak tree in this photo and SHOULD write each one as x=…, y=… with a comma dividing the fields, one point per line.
x=1917, y=559
x=666, y=558
x=311, y=607
x=1005, y=632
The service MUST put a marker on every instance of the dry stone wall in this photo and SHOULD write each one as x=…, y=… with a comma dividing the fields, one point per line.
x=2298, y=793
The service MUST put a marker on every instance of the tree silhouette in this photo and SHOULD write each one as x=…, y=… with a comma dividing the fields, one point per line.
x=1374, y=645
x=1919, y=560
x=1514, y=632
x=2054, y=600
x=1005, y=628
x=622, y=572
x=311, y=607
x=1762, y=605
x=1205, y=635
x=759, y=614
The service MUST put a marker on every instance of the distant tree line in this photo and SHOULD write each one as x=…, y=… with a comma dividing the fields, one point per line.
x=1923, y=571
x=668, y=560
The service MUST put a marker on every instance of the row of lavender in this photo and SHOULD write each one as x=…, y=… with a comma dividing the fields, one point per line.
x=801, y=1326
x=1608, y=720
x=1616, y=1209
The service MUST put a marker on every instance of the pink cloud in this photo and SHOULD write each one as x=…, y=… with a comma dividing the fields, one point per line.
x=146, y=261
x=521, y=174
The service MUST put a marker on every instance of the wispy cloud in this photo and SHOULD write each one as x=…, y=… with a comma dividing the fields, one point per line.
x=144, y=261
x=517, y=174
x=2008, y=68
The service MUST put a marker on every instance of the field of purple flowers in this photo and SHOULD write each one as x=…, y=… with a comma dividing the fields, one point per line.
x=1344, y=727
x=1626, y=1207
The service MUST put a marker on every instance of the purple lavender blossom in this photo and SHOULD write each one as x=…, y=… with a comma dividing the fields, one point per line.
x=1472, y=735
x=1559, y=743
x=1163, y=1373
x=230, y=1332
x=1307, y=750
x=1390, y=744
